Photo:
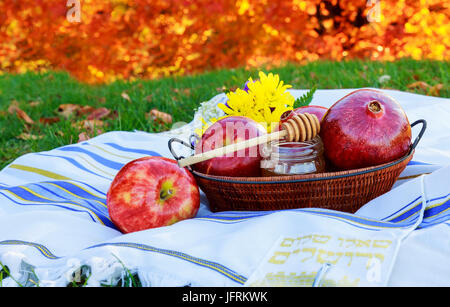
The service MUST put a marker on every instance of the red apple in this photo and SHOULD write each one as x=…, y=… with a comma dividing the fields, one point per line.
x=319, y=111
x=365, y=128
x=151, y=192
x=230, y=130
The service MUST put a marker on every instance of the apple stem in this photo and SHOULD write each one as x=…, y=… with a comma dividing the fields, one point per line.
x=165, y=194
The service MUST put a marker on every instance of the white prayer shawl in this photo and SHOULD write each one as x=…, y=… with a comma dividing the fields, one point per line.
x=54, y=221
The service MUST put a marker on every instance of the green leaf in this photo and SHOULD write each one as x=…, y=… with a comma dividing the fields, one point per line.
x=305, y=99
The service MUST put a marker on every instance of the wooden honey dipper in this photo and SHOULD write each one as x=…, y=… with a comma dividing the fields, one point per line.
x=299, y=128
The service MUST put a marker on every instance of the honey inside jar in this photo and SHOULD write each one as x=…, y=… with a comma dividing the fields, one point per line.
x=282, y=158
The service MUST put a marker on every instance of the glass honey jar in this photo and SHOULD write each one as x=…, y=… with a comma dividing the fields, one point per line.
x=283, y=158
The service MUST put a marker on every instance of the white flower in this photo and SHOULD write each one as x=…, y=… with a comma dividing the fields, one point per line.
x=384, y=78
x=209, y=110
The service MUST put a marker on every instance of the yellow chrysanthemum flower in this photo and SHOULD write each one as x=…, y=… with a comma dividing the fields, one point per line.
x=264, y=102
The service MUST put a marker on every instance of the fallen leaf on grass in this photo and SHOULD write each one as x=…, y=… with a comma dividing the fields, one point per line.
x=99, y=113
x=419, y=84
x=34, y=103
x=29, y=137
x=149, y=98
x=221, y=89
x=48, y=120
x=22, y=115
x=227, y=89
x=88, y=124
x=184, y=91
x=83, y=136
x=83, y=110
x=125, y=96
x=14, y=108
x=91, y=124
x=89, y=128
x=159, y=117
x=232, y=88
x=67, y=110
x=435, y=90
x=431, y=90
x=86, y=135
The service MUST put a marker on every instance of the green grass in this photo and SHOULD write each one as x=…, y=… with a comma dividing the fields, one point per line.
x=179, y=96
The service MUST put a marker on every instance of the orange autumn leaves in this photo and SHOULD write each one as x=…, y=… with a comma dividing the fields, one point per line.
x=127, y=39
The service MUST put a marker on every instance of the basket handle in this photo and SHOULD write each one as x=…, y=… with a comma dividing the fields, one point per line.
x=422, y=131
x=174, y=154
x=413, y=146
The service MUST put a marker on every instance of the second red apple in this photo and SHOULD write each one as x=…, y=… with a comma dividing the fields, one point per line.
x=230, y=130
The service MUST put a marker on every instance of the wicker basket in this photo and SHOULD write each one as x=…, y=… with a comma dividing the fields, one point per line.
x=344, y=191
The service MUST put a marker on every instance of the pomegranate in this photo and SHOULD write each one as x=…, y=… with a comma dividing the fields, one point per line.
x=365, y=128
x=319, y=111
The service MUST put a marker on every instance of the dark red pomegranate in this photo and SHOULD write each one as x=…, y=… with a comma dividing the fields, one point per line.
x=319, y=111
x=365, y=128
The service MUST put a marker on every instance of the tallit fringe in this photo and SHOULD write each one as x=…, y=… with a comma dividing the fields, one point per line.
x=95, y=272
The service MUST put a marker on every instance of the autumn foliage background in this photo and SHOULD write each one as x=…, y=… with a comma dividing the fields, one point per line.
x=125, y=39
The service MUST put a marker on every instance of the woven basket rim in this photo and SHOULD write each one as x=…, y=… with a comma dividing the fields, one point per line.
x=305, y=177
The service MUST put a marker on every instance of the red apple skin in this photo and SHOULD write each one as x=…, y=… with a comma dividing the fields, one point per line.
x=243, y=163
x=319, y=111
x=151, y=192
x=365, y=128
